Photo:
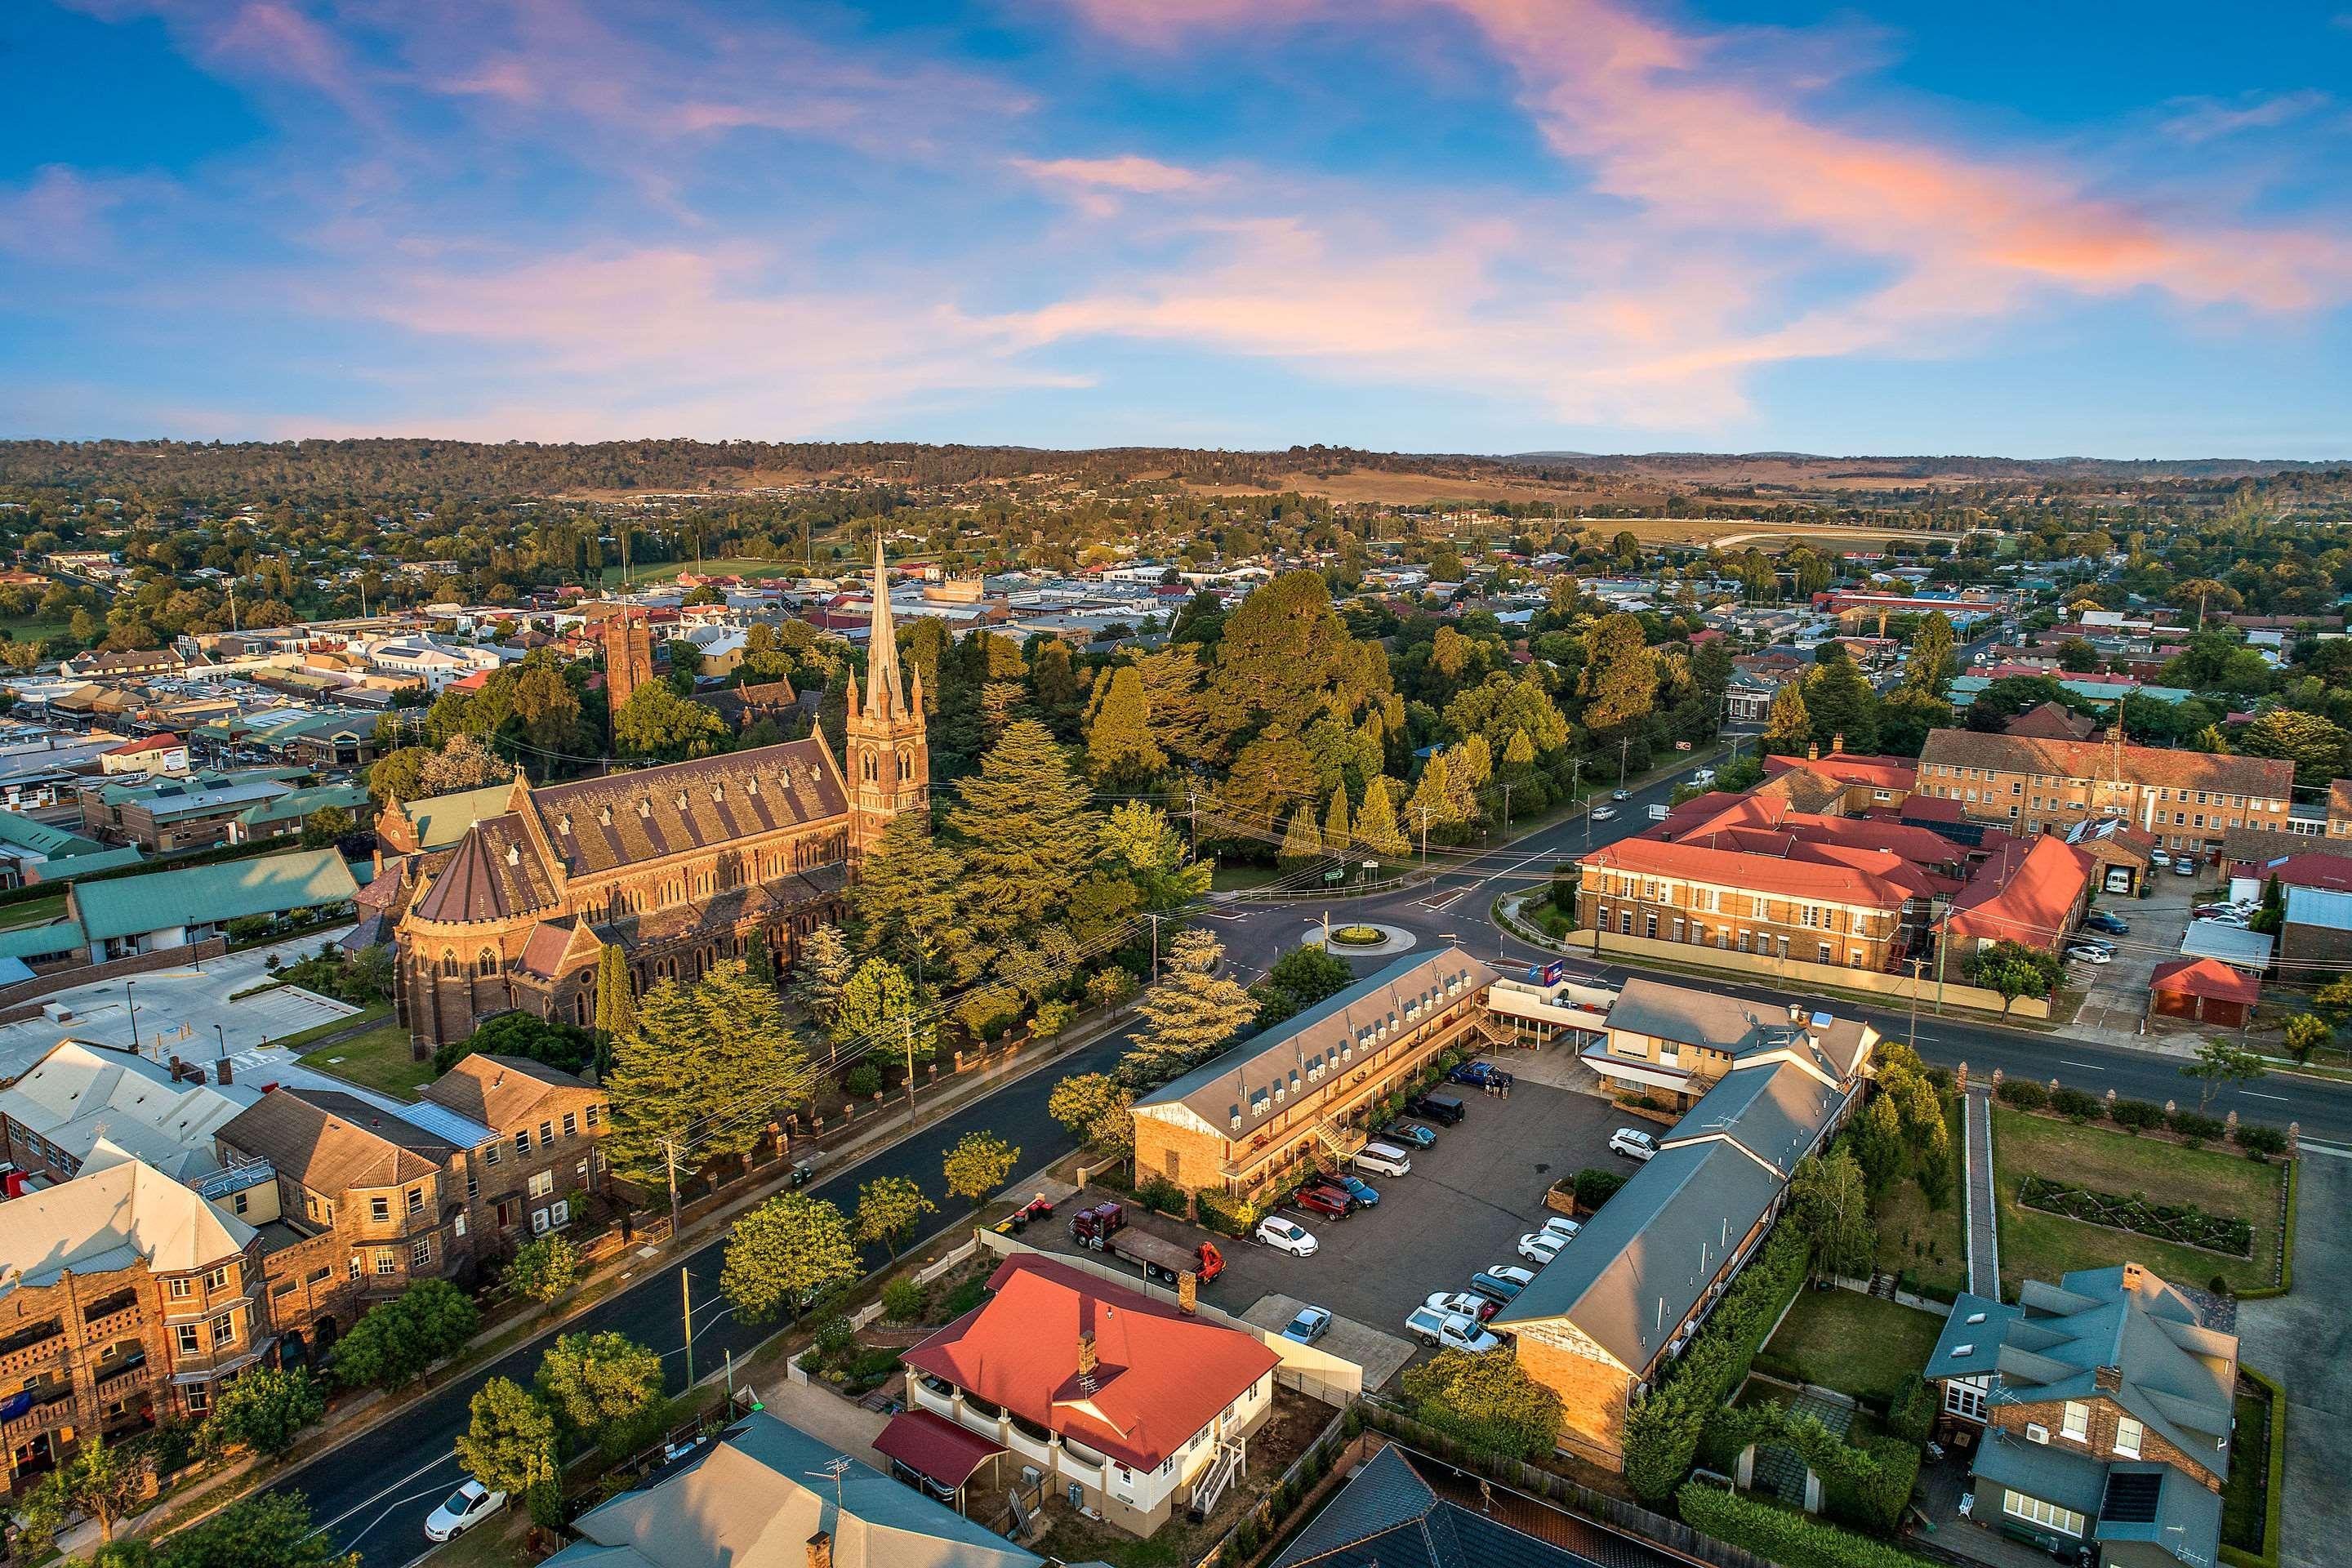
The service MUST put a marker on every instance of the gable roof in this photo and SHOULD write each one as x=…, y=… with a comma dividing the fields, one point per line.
x=1241, y=1082
x=596, y=825
x=442, y=819
x=1161, y=1376
x=1739, y=1028
x=81, y=1092
x=111, y=1216
x=2206, y=977
x=2051, y=721
x=1775, y=1111
x=2154, y=766
x=497, y=1091
x=2025, y=893
x=328, y=1140
x=1388, y=1516
x=1827, y=882
x=760, y=1494
x=494, y=874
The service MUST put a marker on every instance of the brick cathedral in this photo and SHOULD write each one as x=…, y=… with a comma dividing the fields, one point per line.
x=676, y=865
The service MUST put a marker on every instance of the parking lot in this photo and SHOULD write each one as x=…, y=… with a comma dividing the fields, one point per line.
x=2115, y=993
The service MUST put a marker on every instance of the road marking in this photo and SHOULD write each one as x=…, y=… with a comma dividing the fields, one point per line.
x=2313, y=1146
x=369, y=1502
x=2092, y=1066
x=388, y=1510
x=2280, y=1097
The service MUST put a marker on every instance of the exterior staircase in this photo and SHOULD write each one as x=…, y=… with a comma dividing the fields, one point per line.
x=1229, y=1462
x=1338, y=1137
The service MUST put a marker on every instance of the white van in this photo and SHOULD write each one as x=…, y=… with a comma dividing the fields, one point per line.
x=1703, y=776
x=1386, y=1159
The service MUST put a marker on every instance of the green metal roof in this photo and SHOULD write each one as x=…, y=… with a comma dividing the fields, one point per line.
x=303, y=802
x=271, y=885
x=34, y=942
x=25, y=833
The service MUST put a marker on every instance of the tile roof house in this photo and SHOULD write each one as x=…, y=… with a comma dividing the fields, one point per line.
x=2106, y=1411
x=2205, y=990
x=764, y=1496
x=2051, y=721
x=1101, y=1387
x=2033, y=892
x=81, y=1093
x=2188, y=799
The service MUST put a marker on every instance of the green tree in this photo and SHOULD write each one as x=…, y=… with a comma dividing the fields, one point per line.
x=784, y=1254
x=1934, y=657
x=2307, y=1032
x=616, y=1002
x=1434, y=806
x=701, y=1065
x=1296, y=981
x=1274, y=775
x=1878, y=1143
x=1831, y=1201
x=1189, y=1016
x=655, y=721
x=978, y=1165
x=265, y=1410
x=102, y=1480
x=1286, y=657
x=550, y=1041
x=1301, y=841
x=888, y=1209
x=2218, y=1064
x=1097, y=1108
x=511, y=1446
x=908, y=899
x=1619, y=681
x=2320, y=749
x=1486, y=1403
x=1140, y=842
x=543, y=1269
x=1376, y=824
x=324, y=826
x=1336, y=832
x=823, y=967
x=1027, y=832
x=1840, y=703
x=396, y=1342
x=1120, y=750
x=266, y=1530
x=1787, y=727
x=604, y=1389
x=398, y=774
x=879, y=1011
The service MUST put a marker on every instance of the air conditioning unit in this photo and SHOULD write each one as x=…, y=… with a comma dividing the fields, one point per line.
x=2036, y=1433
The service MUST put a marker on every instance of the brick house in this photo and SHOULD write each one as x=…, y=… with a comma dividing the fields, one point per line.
x=1248, y=1122
x=1816, y=905
x=1675, y=1043
x=2187, y=800
x=125, y=1298
x=2100, y=1410
x=549, y=1123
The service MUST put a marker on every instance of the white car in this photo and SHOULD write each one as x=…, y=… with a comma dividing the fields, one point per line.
x=1603, y=813
x=1560, y=1225
x=2159, y=858
x=465, y=1508
x=1451, y=1329
x=1463, y=1304
x=1541, y=1246
x=2083, y=953
x=1632, y=1143
x=1283, y=1236
x=1621, y=794
x=1523, y=1277
x=1703, y=776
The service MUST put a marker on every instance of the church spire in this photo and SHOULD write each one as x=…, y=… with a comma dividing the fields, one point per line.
x=882, y=692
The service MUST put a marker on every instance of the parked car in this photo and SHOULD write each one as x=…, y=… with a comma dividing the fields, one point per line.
x=1324, y=1200
x=1476, y=1074
x=1434, y=1328
x=1362, y=1192
x=1412, y=1133
x=1465, y=1303
x=1603, y=813
x=1541, y=1246
x=2184, y=867
x=1560, y=1225
x=462, y=1509
x=1632, y=1142
x=2083, y=953
x=1491, y=1283
x=2101, y=943
x=2159, y=858
x=1382, y=1159
x=1311, y=1324
x=2100, y=921
x=2230, y=918
x=1286, y=1235
x=1434, y=1107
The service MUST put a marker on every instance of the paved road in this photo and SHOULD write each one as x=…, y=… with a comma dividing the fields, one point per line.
x=372, y=1494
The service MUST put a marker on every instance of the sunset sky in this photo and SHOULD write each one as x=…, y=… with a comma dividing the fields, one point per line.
x=1487, y=226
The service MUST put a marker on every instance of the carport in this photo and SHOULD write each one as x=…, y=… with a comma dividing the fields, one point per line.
x=2204, y=990
x=934, y=1455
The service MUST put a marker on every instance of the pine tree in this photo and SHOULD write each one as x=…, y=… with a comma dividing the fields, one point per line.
x=1621, y=676
x=1431, y=808
x=1189, y=1016
x=1376, y=823
x=1788, y=728
x=1932, y=661
x=1301, y=842
x=700, y=1071
x=1842, y=705
x=1026, y=830
x=909, y=902
x=823, y=969
x=617, y=1003
x=1119, y=746
x=1336, y=833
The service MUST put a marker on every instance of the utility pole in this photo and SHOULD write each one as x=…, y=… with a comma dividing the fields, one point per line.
x=686, y=1297
x=909, y=1022
x=1916, y=964
x=1424, y=837
x=1624, y=747
x=1508, y=786
x=1192, y=798
x=669, y=1148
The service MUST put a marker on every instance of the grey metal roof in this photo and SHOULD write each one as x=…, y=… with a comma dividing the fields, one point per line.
x=1976, y=1326
x=2248, y=950
x=1775, y=1110
x=2319, y=906
x=1639, y=1267
x=1735, y=1025
x=1293, y=1055
x=1388, y=1516
x=2064, y=1476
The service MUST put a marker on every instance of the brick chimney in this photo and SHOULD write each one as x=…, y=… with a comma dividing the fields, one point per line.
x=2108, y=1379
x=1812, y=750
x=1837, y=744
x=1088, y=1362
x=819, y=1550
x=226, y=1070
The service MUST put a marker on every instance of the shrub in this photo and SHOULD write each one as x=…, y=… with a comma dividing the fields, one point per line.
x=1226, y=1216
x=2182, y=1222
x=835, y=1335
x=2134, y=1115
x=1912, y=1417
x=2196, y=1128
x=1246, y=1538
x=902, y=1299
x=2260, y=1143
x=2076, y=1105
x=965, y=1297
x=1791, y=1540
x=861, y=1080
x=247, y=928
x=1161, y=1195
x=2023, y=1093
x=1595, y=1186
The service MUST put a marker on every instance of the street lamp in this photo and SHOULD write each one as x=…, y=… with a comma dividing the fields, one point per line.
x=130, y=1002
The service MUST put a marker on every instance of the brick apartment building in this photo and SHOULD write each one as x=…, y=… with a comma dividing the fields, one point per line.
x=1817, y=912
x=1247, y=1121
x=365, y=1200
x=125, y=1298
x=2187, y=800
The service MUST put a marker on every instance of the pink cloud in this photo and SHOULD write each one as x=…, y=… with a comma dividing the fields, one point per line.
x=1144, y=176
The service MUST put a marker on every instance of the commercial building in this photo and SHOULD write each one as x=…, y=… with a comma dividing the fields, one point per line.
x=2100, y=1409
x=1814, y=906
x=1247, y=1121
x=2187, y=800
x=82, y=1094
x=1120, y=1402
x=120, y=915
x=2033, y=891
x=1675, y=1043
x=2317, y=933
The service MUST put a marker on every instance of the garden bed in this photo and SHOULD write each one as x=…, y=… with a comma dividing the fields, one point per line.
x=1925, y=1246
x=2184, y=1225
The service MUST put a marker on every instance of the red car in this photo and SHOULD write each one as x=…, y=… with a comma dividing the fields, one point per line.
x=1323, y=1200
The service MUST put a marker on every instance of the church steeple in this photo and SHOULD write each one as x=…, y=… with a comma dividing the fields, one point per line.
x=884, y=696
x=885, y=755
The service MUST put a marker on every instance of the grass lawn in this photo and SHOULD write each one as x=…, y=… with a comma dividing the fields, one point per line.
x=1931, y=1244
x=37, y=912
x=1855, y=1344
x=33, y=629
x=1236, y=879
x=498, y=1542
x=2039, y=1245
x=2244, y=1499
x=379, y=1059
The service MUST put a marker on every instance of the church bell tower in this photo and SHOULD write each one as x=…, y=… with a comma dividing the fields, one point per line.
x=886, y=758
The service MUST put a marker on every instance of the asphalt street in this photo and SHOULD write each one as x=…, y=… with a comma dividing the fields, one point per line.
x=371, y=1494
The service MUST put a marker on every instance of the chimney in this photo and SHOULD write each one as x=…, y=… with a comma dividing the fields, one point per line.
x=2108, y=1379
x=1086, y=1363
x=226, y=1070
x=819, y=1550
x=1837, y=743
x=1812, y=750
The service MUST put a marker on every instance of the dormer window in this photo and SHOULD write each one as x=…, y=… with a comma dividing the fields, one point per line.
x=605, y=815
x=563, y=825
x=679, y=800
x=718, y=793
x=751, y=785
x=646, y=806
x=514, y=856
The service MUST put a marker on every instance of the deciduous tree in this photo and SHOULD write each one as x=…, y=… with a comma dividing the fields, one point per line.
x=888, y=1209
x=511, y=1446
x=604, y=1389
x=978, y=1165
x=265, y=1409
x=396, y=1342
x=784, y=1254
x=1096, y=1109
x=542, y=1270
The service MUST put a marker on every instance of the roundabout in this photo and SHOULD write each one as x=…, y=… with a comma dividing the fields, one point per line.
x=1361, y=939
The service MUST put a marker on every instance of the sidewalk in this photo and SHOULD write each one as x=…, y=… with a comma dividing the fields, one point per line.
x=1984, y=1214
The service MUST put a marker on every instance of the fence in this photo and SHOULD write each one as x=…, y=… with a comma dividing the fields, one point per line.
x=1805, y=972
x=1616, y=1513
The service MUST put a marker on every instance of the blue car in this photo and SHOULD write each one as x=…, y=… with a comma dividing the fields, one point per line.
x=1476, y=1074
x=1361, y=1192
x=1412, y=1133
x=2100, y=921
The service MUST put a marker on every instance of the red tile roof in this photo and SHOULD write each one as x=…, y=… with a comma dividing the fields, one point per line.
x=2207, y=977
x=2027, y=893
x=1847, y=767
x=1756, y=873
x=2330, y=872
x=1161, y=1376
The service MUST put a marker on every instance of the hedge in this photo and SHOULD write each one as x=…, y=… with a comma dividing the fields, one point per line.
x=2023, y=1093
x=1662, y=1432
x=1791, y=1540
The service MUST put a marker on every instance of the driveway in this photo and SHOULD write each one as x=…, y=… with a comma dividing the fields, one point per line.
x=2117, y=1002
x=2303, y=1340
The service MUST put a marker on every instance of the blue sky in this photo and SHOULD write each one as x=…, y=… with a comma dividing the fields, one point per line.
x=1428, y=225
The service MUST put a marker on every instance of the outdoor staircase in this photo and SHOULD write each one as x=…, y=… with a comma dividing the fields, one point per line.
x=1338, y=1138
x=1229, y=1463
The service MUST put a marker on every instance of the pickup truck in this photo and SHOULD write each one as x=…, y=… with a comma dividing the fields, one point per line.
x=1104, y=1228
x=1449, y=1331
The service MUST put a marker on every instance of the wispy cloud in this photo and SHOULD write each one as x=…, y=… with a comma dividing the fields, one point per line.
x=2196, y=119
